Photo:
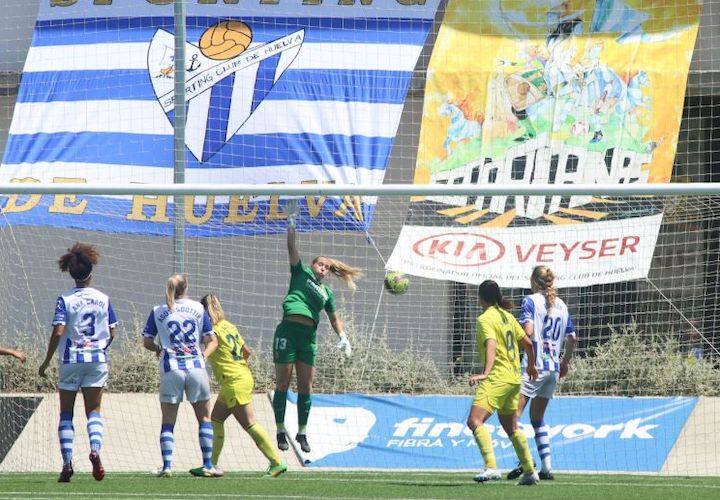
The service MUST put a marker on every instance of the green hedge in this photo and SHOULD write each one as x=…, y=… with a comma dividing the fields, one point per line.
x=630, y=363
x=638, y=363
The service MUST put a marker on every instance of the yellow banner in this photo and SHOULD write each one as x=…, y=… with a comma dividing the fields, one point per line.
x=596, y=75
x=547, y=92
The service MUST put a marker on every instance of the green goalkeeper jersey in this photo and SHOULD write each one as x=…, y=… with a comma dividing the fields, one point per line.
x=306, y=295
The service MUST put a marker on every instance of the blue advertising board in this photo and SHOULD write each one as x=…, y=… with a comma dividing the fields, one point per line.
x=429, y=432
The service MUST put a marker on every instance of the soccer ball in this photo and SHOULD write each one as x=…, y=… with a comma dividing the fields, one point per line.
x=396, y=283
x=225, y=40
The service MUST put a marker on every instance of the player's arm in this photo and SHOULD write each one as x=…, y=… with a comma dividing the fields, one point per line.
x=529, y=329
x=210, y=342
x=112, y=323
x=5, y=351
x=55, y=337
x=530, y=353
x=150, y=345
x=527, y=320
x=244, y=349
x=293, y=254
x=490, y=346
x=150, y=333
x=246, y=352
x=570, y=343
x=527, y=316
x=112, y=336
x=58, y=323
x=209, y=339
x=490, y=352
x=339, y=328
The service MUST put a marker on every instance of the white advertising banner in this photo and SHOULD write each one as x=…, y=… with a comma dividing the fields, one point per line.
x=579, y=254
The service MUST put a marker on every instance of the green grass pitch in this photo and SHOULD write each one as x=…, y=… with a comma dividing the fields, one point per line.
x=351, y=485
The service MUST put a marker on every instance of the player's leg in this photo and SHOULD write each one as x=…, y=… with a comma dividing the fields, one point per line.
x=95, y=428
x=527, y=392
x=172, y=384
x=519, y=442
x=305, y=371
x=481, y=410
x=507, y=414
x=93, y=382
x=245, y=415
x=476, y=422
x=167, y=436
x=205, y=436
x=66, y=431
x=284, y=356
x=197, y=387
x=220, y=413
x=283, y=374
x=538, y=406
x=305, y=375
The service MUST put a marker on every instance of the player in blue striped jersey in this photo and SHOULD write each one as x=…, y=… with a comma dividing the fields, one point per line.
x=83, y=328
x=547, y=321
x=176, y=331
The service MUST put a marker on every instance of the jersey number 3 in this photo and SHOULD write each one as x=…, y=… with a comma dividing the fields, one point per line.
x=87, y=325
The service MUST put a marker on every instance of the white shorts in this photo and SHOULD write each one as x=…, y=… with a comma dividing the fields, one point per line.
x=543, y=386
x=73, y=376
x=194, y=383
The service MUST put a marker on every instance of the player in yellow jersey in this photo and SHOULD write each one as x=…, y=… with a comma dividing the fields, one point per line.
x=499, y=337
x=229, y=364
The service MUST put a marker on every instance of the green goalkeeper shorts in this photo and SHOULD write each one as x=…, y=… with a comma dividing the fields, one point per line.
x=295, y=342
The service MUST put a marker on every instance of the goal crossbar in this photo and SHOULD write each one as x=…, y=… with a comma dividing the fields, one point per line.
x=688, y=189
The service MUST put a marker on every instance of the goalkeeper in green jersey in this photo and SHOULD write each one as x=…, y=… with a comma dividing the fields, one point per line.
x=294, y=343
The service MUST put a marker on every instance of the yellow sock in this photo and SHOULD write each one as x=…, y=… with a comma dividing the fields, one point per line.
x=262, y=440
x=218, y=440
x=521, y=449
x=484, y=442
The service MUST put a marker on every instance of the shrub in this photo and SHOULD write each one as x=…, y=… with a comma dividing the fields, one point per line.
x=635, y=363
x=630, y=363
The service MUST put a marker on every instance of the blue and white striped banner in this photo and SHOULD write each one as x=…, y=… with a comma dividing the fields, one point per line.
x=316, y=96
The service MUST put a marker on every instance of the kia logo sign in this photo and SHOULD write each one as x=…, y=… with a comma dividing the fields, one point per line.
x=460, y=249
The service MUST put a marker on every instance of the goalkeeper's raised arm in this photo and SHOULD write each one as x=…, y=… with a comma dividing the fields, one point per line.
x=295, y=341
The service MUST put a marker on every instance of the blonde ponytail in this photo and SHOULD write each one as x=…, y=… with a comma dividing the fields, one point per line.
x=212, y=305
x=345, y=272
x=176, y=287
x=543, y=280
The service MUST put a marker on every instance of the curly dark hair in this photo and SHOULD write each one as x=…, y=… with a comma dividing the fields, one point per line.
x=79, y=261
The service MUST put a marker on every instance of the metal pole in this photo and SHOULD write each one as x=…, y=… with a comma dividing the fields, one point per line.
x=179, y=138
x=200, y=189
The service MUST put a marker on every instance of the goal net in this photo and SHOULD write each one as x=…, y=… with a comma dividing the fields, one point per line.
x=654, y=335
x=322, y=97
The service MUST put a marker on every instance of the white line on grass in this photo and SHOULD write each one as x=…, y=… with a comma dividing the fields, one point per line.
x=555, y=485
x=30, y=494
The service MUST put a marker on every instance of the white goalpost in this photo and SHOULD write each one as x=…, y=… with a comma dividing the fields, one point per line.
x=432, y=144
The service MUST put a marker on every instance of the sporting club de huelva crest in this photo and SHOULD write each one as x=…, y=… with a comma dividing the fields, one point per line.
x=227, y=78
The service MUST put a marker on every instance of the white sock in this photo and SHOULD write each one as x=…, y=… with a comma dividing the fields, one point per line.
x=542, y=441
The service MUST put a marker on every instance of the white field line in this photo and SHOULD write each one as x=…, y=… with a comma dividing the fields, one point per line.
x=555, y=485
